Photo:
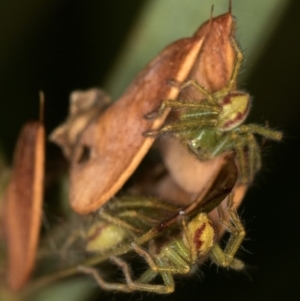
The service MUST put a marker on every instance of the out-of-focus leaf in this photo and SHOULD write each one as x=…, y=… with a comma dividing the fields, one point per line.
x=75, y=290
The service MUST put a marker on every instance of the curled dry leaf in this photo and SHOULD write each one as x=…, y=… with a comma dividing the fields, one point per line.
x=85, y=106
x=114, y=144
x=23, y=204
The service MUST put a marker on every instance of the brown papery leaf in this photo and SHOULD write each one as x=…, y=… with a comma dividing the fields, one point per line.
x=85, y=106
x=23, y=204
x=112, y=147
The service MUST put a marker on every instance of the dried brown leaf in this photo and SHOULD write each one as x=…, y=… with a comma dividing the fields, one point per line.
x=23, y=204
x=115, y=145
x=111, y=147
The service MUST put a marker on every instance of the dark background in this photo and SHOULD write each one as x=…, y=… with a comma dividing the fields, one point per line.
x=73, y=45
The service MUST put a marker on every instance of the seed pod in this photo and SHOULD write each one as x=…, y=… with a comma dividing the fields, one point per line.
x=23, y=204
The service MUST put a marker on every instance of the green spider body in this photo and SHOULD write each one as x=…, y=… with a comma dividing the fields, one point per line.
x=214, y=125
x=103, y=236
x=124, y=219
x=177, y=253
x=209, y=132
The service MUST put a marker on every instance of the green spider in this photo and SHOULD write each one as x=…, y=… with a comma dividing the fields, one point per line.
x=139, y=218
x=124, y=219
x=179, y=254
x=215, y=125
x=126, y=222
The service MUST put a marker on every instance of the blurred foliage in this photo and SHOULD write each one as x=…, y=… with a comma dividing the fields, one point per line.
x=59, y=46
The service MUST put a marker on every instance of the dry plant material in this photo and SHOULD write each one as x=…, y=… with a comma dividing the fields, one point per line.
x=85, y=106
x=112, y=147
x=23, y=204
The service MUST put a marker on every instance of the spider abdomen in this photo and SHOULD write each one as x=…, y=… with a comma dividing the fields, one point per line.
x=235, y=109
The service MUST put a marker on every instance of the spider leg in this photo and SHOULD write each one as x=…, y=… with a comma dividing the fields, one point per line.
x=181, y=104
x=131, y=285
x=239, y=145
x=193, y=83
x=225, y=257
x=235, y=72
x=254, y=156
x=244, y=136
x=211, y=102
x=117, y=221
x=143, y=218
x=185, y=105
x=125, y=208
x=235, y=226
x=223, y=145
x=136, y=285
x=200, y=112
x=102, y=283
x=237, y=65
x=260, y=130
x=185, y=125
x=178, y=266
x=147, y=276
x=182, y=126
